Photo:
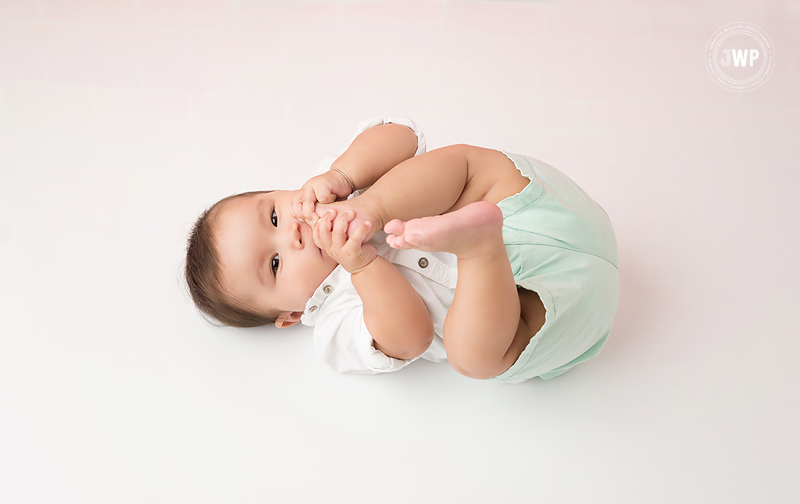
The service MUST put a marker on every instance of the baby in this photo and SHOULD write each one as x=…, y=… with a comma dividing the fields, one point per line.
x=496, y=262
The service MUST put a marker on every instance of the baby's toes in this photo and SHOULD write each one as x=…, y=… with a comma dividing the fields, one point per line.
x=394, y=226
x=397, y=242
x=414, y=240
x=417, y=226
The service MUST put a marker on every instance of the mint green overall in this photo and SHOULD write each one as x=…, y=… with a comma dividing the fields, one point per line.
x=561, y=245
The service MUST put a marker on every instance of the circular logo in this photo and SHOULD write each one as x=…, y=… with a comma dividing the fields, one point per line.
x=740, y=57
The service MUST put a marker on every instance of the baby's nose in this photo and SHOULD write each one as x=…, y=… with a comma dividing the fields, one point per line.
x=297, y=234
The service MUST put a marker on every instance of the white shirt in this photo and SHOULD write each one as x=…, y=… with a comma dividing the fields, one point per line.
x=336, y=312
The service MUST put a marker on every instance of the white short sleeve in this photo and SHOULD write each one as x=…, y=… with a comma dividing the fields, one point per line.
x=377, y=121
x=326, y=163
x=347, y=346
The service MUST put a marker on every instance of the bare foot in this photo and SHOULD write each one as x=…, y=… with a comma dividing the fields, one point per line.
x=472, y=231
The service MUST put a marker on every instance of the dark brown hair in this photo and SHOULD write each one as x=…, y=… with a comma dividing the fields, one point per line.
x=203, y=274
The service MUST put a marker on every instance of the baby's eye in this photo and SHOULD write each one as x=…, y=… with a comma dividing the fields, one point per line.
x=275, y=263
x=274, y=218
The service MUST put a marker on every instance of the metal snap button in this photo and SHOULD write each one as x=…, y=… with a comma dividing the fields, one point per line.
x=312, y=309
x=327, y=289
x=423, y=263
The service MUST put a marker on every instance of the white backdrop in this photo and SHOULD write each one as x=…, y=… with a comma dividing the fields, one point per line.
x=120, y=121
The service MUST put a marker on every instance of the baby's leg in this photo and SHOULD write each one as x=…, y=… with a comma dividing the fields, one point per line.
x=483, y=332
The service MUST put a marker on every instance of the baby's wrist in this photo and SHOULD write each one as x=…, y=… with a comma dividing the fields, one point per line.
x=364, y=267
x=346, y=178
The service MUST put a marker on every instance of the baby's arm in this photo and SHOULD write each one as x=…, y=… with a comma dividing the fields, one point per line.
x=394, y=312
x=371, y=154
x=425, y=185
x=376, y=151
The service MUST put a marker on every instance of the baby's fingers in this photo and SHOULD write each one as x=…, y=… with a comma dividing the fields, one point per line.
x=361, y=254
x=322, y=230
x=309, y=210
x=296, y=208
x=340, y=228
x=303, y=203
x=324, y=195
x=355, y=240
x=317, y=235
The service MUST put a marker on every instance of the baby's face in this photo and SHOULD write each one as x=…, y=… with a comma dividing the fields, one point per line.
x=268, y=258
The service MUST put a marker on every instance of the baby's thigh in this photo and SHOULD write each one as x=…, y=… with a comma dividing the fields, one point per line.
x=472, y=360
x=531, y=320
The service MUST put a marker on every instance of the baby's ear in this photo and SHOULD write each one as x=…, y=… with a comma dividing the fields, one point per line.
x=287, y=319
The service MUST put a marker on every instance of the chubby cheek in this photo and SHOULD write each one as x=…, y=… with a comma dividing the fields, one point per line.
x=315, y=276
x=329, y=261
x=310, y=280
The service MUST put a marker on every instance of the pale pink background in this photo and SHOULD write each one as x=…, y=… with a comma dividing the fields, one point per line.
x=121, y=120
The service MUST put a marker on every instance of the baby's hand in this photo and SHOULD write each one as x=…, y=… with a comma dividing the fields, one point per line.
x=363, y=211
x=324, y=188
x=349, y=250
